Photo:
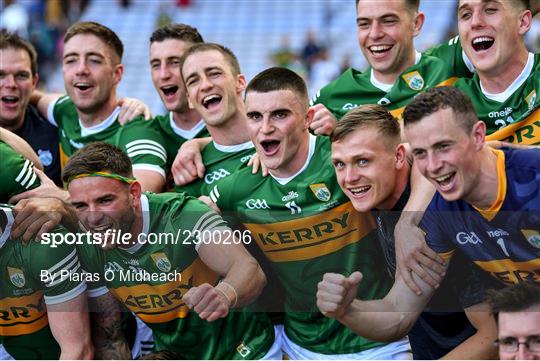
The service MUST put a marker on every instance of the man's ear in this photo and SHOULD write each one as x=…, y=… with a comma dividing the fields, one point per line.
x=135, y=191
x=240, y=83
x=401, y=156
x=309, y=117
x=478, y=134
x=118, y=72
x=419, y=20
x=525, y=22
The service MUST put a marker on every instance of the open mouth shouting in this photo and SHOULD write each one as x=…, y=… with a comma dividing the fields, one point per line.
x=379, y=50
x=270, y=147
x=10, y=101
x=83, y=87
x=169, y=91
x=211, y=101
x=482, y=43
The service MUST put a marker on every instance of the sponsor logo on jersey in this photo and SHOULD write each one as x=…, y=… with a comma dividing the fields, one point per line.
x=501, y=113
x=525, y=131
x=246, y=158
x=384, y=101
x=243, y=350
x=414, y=80
x=293, y=207
x=216, y=175
x=464, y=238
x=45, y=156
x=257, y=204
x=533, y=237
x=16, y=276
x=321, y=191
x=497, y=233
x=511, y=272
x=531, y=99
x=349, y=106
x=290, y=196
x=161, y=261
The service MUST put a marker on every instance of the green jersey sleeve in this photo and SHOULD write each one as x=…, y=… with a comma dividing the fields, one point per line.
x=17, y=173
x=144, y=144
x=57, y=268
x=93, y=265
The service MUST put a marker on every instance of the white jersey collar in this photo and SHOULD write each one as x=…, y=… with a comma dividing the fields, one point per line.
x=507, y=93
x=384, y=86
x=311, y=151
x=141, y=239
x=85, y=131
x=186, y=134
x=6, y=232
x=233, y=148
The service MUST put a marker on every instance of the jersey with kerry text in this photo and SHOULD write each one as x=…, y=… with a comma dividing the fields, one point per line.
x=505, y=239
x=173, y=262
x=305, y=227
x=17, y=173
x=219, y=162
x=25, y=291
x=140, y=139
x=514, y=115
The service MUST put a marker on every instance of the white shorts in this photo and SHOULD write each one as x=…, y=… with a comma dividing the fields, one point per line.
x=144, y=340
x=4, y=355
x=399, y=350
x=276, y=351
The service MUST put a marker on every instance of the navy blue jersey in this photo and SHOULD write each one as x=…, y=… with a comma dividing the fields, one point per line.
x=43, y=138
x=505, y=239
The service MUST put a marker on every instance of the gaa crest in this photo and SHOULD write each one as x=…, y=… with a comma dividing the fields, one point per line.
x=414, y=80
x=16, y=276
x=321, y=191
x=161, y=261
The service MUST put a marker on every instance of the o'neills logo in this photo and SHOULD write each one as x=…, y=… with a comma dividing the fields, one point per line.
x=289, y=196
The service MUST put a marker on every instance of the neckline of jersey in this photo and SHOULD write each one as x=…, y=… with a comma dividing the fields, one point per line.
x=141, y=241
x=85, y=131
x=186, y=134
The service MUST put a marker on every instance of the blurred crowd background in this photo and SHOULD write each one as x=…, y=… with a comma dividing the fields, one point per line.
x=316, y=38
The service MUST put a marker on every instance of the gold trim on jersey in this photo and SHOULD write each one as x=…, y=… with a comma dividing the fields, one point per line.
x=22, y=315
x=510, y=272
x=398, y=113
x=447, y=255
x=492, y=211
x=63, y=156
x=526, y=131
x=314, y=236
x=164, y=303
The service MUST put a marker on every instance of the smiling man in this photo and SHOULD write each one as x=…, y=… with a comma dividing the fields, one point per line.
x=506, y=85
x=397, y=72
x=167, y=46
x=214, y=86
x=185, y=289
x=487, y=207
x=301, y=220
x=92, y=70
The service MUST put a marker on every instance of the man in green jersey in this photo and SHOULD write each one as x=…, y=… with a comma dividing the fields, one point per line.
x=167, y=45
x=214, y=85
x=43, y=313
x=505, y=87
x=162, y=255
x=92, y=70
x=397, y=72
x=17, y=173
x=301, y=220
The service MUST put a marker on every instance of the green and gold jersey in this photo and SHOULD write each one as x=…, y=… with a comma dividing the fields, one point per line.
x=439, y=66
x=151, y=278
x=514, y=115
x=220, y=161
x=141, y=140
x=305, y=227
x=31, y=278
x=17, y=173
x=174, y=136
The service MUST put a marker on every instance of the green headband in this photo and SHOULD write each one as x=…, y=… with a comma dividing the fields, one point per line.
x=118, y=177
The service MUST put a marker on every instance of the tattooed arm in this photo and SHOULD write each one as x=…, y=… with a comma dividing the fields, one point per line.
x=107, y=334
